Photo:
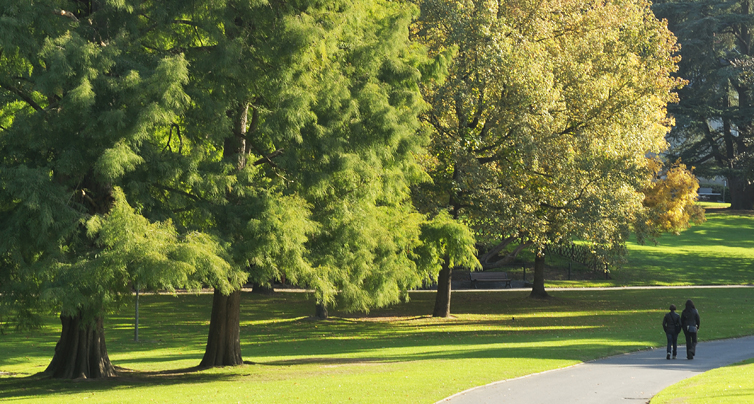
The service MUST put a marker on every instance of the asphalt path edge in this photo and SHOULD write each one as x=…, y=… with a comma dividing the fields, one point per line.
x=564, y=369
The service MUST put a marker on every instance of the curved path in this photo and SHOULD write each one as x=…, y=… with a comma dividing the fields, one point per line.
x=629, y=378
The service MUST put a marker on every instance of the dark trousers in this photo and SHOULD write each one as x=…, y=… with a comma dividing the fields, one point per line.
x=690, y=343
x=672, y=343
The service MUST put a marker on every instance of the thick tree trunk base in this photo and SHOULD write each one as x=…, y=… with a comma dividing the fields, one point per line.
x=224, y=340
x=538, y=285
x=539, y=294
x=442, y=301
x=741, y=194
x=262, y=289
x=321, y=311
x=81, y=352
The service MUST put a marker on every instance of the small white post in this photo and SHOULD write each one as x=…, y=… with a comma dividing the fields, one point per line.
x=136, y=322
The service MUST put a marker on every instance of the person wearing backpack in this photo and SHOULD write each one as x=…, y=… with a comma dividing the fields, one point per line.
x=671, y=323
x=690, y=323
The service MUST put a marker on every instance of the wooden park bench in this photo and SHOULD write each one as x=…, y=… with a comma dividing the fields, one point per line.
x=489, y=277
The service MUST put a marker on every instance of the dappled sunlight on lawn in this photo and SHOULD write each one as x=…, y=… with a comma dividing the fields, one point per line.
x=719, y=251
x=491, y=336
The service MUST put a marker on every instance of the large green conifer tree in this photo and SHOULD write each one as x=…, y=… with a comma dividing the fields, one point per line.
x=170, y=144
x=84, y=106
x=304, y=121
x=714, y=116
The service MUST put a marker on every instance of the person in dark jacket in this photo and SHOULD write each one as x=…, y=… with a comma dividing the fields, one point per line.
x=690, y=324
x=671, y=323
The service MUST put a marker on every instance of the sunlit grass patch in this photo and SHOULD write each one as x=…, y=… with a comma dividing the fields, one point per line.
x=730, y=384
x=717, y=252
x=397, y=354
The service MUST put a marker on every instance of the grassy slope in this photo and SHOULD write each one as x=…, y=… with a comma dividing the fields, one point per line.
x=718, y=252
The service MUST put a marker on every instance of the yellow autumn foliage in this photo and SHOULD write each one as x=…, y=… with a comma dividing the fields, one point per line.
x=671, y=198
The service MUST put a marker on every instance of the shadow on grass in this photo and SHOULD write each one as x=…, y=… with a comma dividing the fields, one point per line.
x=278, y=332
x=716, y=252
x=40, y=385
x=573, y=352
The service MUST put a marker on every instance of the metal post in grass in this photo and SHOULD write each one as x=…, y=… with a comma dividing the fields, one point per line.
x=523, y=267
x=570, y=262
x=136, y=320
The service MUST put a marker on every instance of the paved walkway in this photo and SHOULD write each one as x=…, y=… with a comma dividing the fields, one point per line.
x=629, y=378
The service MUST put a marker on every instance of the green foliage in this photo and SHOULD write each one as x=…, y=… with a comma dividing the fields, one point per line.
x=83, y=106
x=542, y=128
x=441, y=237
x=177, y=144
x=312, y=111
x=714, y=124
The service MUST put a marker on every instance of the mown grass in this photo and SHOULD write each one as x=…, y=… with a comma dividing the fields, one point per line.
x=393, y=355
x=400, y=354
x=717, y=252
x=727, y=385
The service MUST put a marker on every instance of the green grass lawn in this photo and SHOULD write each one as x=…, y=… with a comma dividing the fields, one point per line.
x=720, y=251
x=717, y=252
x=394, y=355
x=727, y=385
x=400, y=354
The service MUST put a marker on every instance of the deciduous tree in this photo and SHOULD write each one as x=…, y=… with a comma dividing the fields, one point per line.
x=540, y=131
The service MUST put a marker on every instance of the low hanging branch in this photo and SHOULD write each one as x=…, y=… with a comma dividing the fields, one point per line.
x=177, y=191
x=492, y=259
x=23, y=97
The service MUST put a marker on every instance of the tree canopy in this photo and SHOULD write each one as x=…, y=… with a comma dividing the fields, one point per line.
x=181, y=144
x=357, y=148
x=542, y=128
x=714, y=115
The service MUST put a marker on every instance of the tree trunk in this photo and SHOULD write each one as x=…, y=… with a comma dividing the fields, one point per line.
x=81, y=352
x=741, y=194
x=321, y=311
x=442, y=300
x=262, y=289
x=538, y=288
x=224, y=340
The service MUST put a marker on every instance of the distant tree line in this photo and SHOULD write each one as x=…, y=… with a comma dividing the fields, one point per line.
x=714, y=114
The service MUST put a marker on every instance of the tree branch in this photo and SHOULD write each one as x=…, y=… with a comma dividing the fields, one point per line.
x=496, y=249
x=268, y=158
x=23, y=97
x=177, y=191
x=170, y=138
x=65, y=13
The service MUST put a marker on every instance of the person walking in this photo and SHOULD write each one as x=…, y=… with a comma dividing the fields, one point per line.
x=671, y=323
x=690, y=323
